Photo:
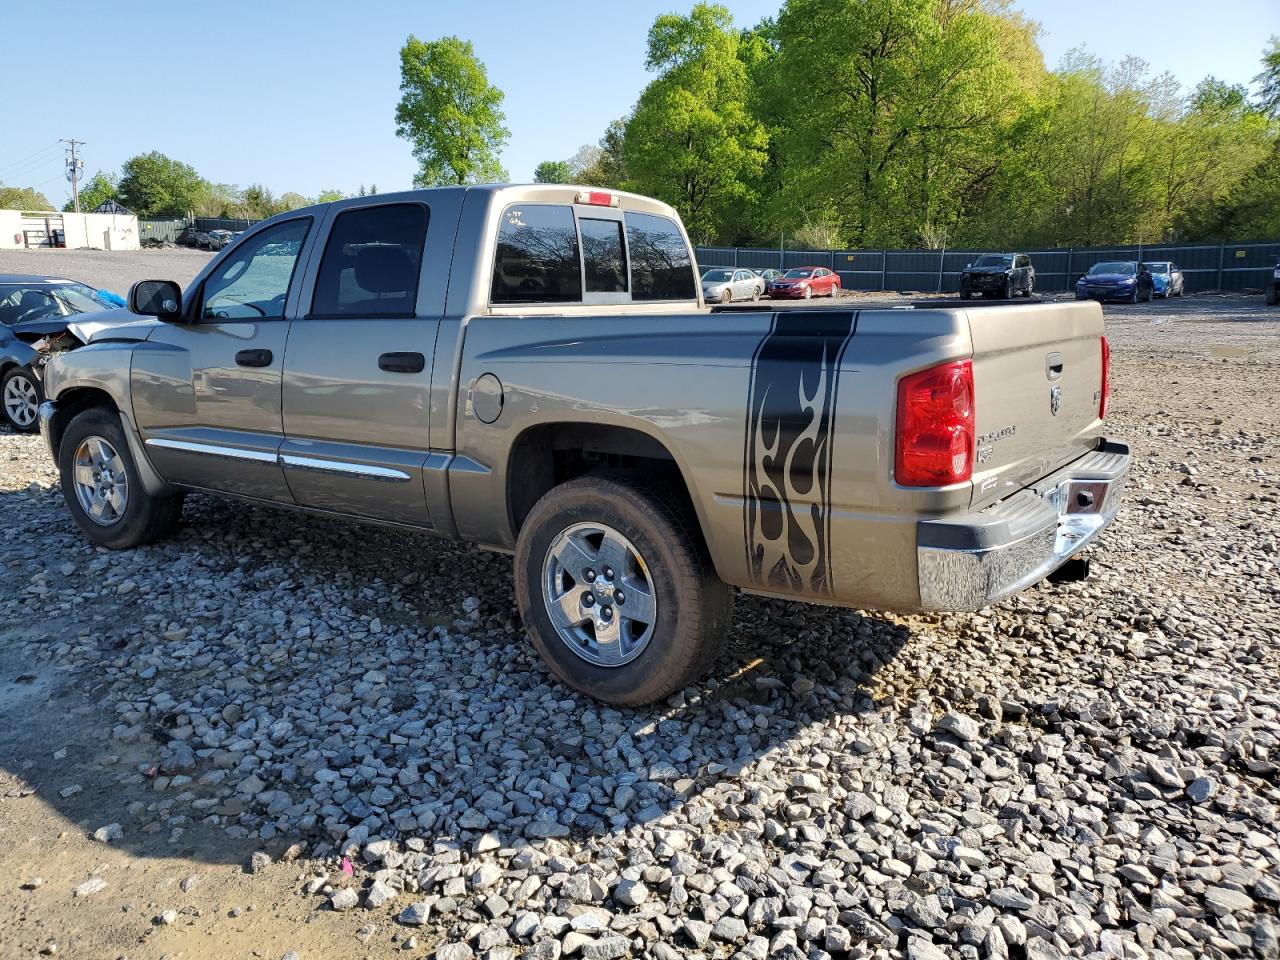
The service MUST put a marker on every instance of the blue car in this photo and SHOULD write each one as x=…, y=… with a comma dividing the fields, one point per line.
x=1116, y=280
x=1167, y=278
x=35, y=309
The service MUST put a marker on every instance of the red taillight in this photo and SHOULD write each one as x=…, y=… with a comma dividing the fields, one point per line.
x=1106, y=378
x=935, y=426
x=598, y=198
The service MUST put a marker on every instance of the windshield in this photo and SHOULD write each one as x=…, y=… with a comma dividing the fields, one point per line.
x=717, y=276
x=1158, y=267
x=1124, y=267
x=992, y=260
x=21, y=302
x=799, y=273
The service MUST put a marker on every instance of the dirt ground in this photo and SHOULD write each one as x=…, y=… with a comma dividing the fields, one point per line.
x=1193, y=386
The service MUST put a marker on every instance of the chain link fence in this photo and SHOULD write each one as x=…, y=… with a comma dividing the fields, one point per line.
x=1216, y=266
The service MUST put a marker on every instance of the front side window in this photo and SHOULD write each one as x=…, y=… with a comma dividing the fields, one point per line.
x=661, y=267
x=537, y=258
x=603, y=255
x=372, y=262
x=253, y=282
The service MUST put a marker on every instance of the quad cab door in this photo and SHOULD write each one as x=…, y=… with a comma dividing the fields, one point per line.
x=206, y=391
x=357, y=371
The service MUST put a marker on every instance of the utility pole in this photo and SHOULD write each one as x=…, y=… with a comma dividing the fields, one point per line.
x=74, y=166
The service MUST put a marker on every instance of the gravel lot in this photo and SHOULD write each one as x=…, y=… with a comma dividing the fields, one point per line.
x=1084, y=770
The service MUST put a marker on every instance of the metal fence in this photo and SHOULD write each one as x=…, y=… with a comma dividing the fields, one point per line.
x=160, y=229
x=169, y=229
x=1217, y=266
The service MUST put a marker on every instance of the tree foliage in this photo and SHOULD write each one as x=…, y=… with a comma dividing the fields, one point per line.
x=94, y=192
x=153, y=185
x=924, y=122
x=450, y=113
x=692, y=141
x=23, y=198
x=553, y=171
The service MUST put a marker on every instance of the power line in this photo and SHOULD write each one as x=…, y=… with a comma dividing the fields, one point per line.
x=74, y=166
x=29, y=163
x=19, y=163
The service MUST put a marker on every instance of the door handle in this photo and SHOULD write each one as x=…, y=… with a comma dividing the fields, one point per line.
x=402, y=362
x=254, y=358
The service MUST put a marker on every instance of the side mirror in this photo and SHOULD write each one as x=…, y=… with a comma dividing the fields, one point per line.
x=157, y=298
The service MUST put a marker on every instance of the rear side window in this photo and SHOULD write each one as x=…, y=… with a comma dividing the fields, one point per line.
x=603, y=256
x=537, y=259
x=372, y=262
x=661, y=268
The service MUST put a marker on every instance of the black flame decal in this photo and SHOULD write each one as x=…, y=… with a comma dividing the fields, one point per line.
x=787, y=457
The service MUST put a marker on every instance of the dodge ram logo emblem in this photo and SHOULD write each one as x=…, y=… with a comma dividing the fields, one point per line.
x=1055, y=399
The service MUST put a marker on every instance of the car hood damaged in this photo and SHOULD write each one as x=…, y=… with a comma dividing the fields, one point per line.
x=118, y=324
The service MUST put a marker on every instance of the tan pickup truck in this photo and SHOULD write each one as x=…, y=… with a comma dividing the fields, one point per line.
x=532, y=369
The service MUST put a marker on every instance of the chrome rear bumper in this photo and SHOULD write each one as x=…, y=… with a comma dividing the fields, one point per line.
x=968, y=562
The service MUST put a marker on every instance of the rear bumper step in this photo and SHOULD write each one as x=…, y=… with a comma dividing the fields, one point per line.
x=968, y=562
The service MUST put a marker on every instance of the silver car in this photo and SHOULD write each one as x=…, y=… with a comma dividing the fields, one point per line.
x=722, y=285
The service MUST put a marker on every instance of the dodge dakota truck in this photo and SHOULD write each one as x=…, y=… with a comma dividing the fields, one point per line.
x=532, y=369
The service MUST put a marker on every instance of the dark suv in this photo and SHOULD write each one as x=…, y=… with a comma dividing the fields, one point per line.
x=998, y=275
x=1273, y=286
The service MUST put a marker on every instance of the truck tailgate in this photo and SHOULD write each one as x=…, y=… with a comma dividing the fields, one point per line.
x=1037, y=374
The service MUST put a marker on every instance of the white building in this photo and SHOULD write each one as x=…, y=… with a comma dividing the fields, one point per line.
x=21, y=229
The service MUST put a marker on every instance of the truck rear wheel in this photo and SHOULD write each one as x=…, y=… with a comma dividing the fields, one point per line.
x=617, y=591
x=102, y=488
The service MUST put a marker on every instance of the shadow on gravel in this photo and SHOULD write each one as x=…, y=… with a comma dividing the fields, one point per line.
x=266, y=678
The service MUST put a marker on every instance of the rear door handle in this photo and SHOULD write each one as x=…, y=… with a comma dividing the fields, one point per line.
x=402, y=362
x=254, y=358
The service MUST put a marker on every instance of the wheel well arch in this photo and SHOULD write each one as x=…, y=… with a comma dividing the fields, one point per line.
x=71, y=402
x=549, y=454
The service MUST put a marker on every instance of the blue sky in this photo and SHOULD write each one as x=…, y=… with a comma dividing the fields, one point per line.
x=301, y=96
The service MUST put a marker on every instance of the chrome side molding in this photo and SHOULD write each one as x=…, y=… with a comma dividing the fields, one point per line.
x=319, y=465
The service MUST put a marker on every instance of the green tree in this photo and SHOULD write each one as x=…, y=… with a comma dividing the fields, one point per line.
x=890, y=114
x=23, y=198
x=326, y=196
x=258, y=203
x=218, y=200
x=691, y=140
x=94, y=192
x=153, y=185
x=291, y=201
x=1268, y=80
x=450, y=113
x=553, y=171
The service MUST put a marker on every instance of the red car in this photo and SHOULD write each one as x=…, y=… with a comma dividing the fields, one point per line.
x=801, y=283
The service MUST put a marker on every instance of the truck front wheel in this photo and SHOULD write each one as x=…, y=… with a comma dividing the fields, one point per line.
x=617, y=591
x=101, y=486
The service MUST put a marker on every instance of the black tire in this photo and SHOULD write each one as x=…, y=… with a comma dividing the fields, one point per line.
x=1273, y=294
x=145, y=518
x=756, y=293
x=1007, y=292
x=965, y=294
x=726, y=295
x=1030, y=286
x=29, y=381
x=693, y=605
x=1133, y=297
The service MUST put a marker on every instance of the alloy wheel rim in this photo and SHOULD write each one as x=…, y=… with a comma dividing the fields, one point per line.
x=599, y=594
x=20, y=401
x=101, y=481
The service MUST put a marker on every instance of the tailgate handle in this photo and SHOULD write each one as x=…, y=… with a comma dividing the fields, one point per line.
x=1053, y=366
x=253, y=358
x=402, y=362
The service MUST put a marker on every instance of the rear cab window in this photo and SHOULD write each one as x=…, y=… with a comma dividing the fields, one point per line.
x=372, y=263
x=549, y=253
